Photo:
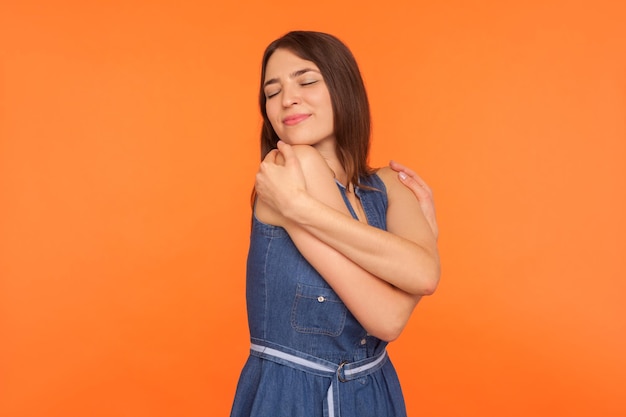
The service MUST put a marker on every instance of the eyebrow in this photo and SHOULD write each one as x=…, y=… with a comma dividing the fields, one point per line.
x=292, y=75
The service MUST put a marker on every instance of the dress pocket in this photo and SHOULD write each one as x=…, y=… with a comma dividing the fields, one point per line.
x=318, y=310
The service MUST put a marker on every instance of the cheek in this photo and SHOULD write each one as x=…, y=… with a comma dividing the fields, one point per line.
x=325, y=102
x=328, y=106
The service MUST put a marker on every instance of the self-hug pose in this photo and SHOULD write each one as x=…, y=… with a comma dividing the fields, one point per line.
x=340, y=253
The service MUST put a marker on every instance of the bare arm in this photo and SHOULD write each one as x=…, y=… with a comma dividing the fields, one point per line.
x=382, y=308
x=405, y=256
x=422, y=192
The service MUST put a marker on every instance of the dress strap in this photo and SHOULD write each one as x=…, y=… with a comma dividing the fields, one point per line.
x=342, y=190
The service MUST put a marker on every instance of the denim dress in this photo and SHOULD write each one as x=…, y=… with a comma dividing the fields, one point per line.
x=309, y=356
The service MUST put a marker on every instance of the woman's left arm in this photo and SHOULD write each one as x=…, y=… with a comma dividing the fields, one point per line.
x=405, y=255
x=422, y=192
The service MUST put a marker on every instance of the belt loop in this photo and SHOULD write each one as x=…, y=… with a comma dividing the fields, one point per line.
x=340, y=374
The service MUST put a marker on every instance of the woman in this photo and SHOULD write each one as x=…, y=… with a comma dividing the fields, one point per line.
x=340, y=254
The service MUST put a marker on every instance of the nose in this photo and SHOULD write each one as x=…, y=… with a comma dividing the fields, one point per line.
x=291, y=95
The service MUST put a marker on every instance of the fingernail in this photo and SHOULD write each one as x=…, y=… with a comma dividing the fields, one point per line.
x=402, y=175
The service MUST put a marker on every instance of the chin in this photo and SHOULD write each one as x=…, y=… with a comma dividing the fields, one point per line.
x=291, y=141
x=306, y=138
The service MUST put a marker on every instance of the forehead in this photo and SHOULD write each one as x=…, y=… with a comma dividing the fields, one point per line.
x=284, y=62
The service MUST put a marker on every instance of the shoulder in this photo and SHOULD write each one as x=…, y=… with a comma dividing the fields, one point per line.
x=404, y=214
x=314, y=166
x=311, y=159
x=402, y=201
x=389, y=177
x=319, y=177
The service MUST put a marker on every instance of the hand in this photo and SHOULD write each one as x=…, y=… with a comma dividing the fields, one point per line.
x=280, y=178
x=422, y=192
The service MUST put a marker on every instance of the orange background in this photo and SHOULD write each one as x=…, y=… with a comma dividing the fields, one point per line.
x=128, y=147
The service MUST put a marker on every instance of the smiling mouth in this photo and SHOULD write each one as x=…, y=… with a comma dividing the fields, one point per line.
x=295, y=119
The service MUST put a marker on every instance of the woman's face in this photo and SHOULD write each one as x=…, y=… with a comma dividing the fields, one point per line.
x=298, y=103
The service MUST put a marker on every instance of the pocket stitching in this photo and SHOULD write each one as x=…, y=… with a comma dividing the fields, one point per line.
x=304, y=292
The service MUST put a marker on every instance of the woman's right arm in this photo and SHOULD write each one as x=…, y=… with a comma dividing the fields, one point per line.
x=380, y=307
x=405, y=255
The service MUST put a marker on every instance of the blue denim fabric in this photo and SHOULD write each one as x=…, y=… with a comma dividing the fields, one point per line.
x=294, y=312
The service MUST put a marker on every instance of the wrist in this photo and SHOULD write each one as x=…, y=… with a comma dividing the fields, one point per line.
x=295, y=209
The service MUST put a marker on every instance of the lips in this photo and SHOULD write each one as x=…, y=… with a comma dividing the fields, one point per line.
x=294, y=119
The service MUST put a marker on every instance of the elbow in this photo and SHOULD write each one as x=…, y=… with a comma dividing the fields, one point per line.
x=430, y=286
x=426, y=282
x=393, y=334
x=389, y=327
x=389, y=332
x=427, y=290
x=423, y=277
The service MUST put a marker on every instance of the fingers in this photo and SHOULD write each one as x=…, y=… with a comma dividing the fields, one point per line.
x=271, y=156
x=397, y=166
x=282, y=148
x=408, y=177
x=286, y=150
x=420, y=191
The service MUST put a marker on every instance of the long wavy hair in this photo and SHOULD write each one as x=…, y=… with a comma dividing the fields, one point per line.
x=351, y=111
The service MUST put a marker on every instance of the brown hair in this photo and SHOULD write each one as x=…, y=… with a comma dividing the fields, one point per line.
x=351, y=112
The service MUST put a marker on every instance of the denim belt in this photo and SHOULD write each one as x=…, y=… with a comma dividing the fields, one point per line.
x=342, y=372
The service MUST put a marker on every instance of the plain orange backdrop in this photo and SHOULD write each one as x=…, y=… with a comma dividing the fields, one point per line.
x=128, y=147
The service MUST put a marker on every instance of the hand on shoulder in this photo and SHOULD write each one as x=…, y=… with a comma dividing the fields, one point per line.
x=288, y=176
x=397, y=173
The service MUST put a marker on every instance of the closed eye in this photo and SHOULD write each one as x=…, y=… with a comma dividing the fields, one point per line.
x=271, y=94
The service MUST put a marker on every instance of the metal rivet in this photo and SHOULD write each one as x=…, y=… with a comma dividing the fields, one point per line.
x=321, y=299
